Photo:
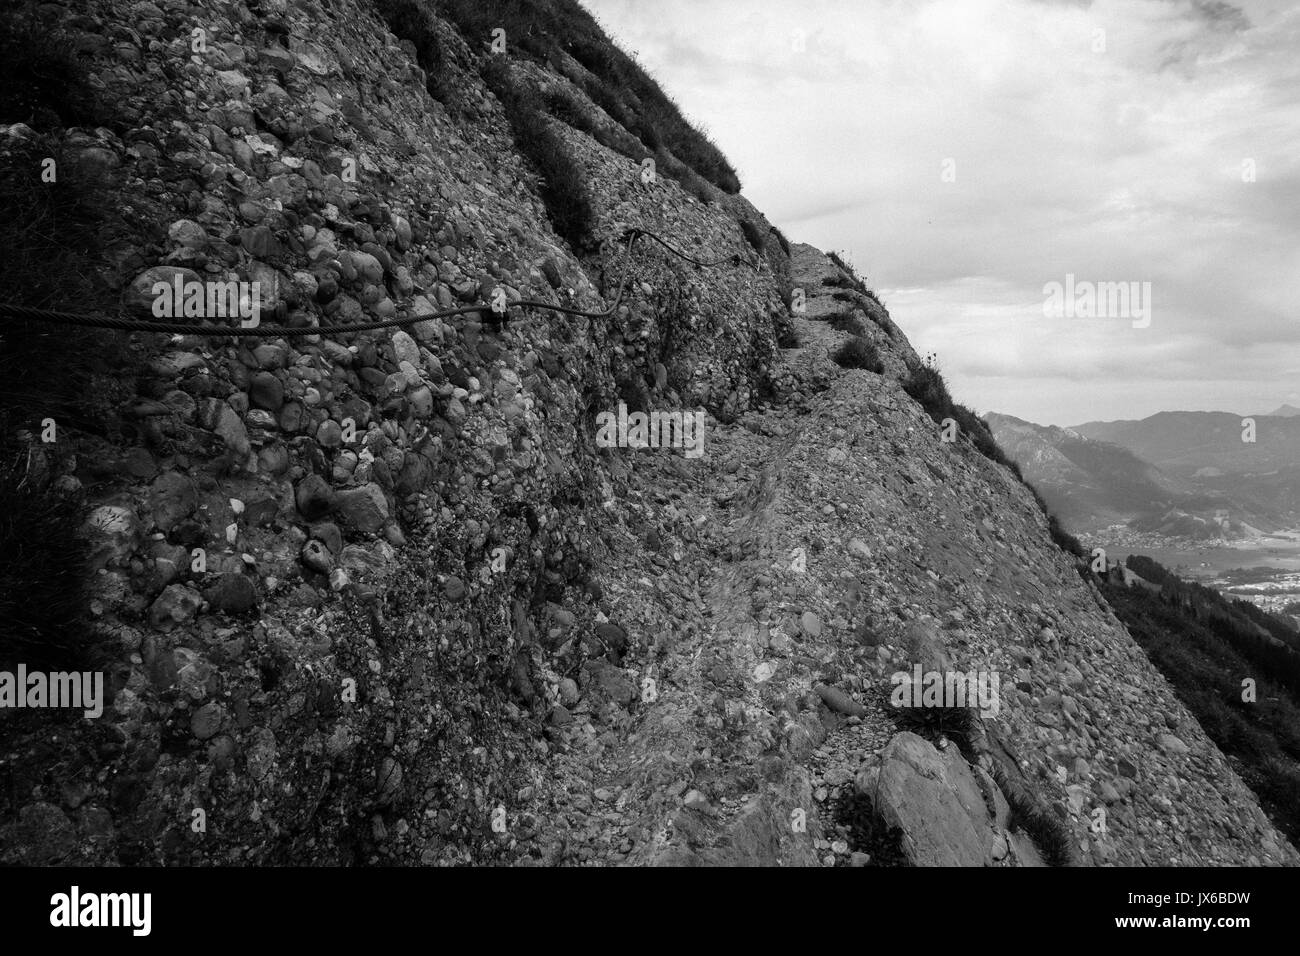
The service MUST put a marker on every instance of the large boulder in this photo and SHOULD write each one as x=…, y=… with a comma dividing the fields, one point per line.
x=933, y=798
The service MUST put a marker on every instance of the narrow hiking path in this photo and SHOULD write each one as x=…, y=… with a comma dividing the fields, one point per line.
x=722, y=747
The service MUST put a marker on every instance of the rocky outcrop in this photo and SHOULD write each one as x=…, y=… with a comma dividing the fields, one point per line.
x=932, y=797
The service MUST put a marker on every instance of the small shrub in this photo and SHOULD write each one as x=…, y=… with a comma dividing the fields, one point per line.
x=850, y=279
x=781, y=240
x=1028, y=813
x=1064, y=540
x=645, y=131
x=925, y=384
x=689, y=179
x=857, y=352
x=847, y=321
x=935, y=722
x=754, y=235
x=698, y=187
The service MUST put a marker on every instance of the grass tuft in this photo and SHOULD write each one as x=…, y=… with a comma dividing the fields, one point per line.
x=857, y=352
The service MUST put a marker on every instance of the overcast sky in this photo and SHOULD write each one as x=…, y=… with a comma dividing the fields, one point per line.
x=1108, y=140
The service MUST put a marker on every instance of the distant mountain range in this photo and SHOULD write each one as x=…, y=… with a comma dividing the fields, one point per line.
x=1206, y=443
x=1181, y=474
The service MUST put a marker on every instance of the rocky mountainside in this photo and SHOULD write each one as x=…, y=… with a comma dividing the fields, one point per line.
x=385, y=597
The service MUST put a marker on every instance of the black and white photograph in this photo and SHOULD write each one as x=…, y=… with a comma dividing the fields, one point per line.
x=486, y=435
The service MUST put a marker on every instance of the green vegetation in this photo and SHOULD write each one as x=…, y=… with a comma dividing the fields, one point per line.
x=1206, y=646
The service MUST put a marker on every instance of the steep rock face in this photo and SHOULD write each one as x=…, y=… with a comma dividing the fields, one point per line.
x=381, y=597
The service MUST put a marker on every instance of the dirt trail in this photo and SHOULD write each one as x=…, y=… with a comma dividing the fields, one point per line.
x=717, y=754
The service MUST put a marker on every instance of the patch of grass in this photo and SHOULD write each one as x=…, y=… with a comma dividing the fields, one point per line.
x=847, y=321
x=543, y=29
x=850, y=280
x=1046, y=828
x=781, y=240
x=935, y=722
x=689, y=179
x=700, y=189
x=925, y=384
x=563, y=185
x=566, y=107
x=1064, y=540
x=857, y=352
x=754, y=235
